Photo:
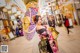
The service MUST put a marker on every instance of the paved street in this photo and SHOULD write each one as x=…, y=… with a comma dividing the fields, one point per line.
x=67, y=43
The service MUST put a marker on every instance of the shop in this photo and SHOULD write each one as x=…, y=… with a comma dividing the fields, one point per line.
x=78, y=12
x=68, y=8
x=57, y=14
x=77, y=8
x=10, y=20
x=68, y=11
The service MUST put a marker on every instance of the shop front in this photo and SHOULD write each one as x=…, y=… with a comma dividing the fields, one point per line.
x=78, y=12
x=68, y=11
x=77, y=7
x=10, y=20
x=67, y=8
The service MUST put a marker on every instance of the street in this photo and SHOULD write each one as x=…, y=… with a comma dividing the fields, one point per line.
x=66, y=43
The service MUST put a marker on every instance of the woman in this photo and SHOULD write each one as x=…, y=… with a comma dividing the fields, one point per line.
x=42, y=31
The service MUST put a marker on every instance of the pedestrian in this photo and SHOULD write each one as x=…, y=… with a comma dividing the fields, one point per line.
x=51, y=21
x=66, y=23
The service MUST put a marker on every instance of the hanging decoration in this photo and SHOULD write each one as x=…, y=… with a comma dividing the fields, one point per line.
x=31, y=12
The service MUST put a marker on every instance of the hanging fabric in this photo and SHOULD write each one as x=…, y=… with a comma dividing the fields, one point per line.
x=31, y=12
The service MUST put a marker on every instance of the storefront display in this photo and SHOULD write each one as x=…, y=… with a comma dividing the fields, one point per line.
x=58, y=20
x=9, y=11
x=11, y=35
x=12, y=17
x=79, y=16
x=15, y=22
x=6, y=23
x=9, y=21
x=1, y=25
x=19, y=27
x=4, y=27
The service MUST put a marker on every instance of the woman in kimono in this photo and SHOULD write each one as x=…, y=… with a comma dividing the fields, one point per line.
x=43, y=33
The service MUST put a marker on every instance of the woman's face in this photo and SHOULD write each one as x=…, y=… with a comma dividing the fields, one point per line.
x=40, y=20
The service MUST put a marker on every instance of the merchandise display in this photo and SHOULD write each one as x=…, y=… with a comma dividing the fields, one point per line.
x=19, y=28
x=11, y=35
x=9, y=22
x=1, y=25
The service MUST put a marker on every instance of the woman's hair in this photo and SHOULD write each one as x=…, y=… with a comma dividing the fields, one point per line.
x=36, y=18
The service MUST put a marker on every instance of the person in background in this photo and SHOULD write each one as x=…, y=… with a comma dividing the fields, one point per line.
x=66, y=24
x=51, y=21
x=17, y=31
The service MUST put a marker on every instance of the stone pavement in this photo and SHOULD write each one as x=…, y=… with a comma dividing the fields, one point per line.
x=67, y=43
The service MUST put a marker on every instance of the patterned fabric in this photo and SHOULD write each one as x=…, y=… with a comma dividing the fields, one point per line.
x=43, y=45
x=33, y=12
x=30, y=35
x=32, y=25
x=28, y=13
x=54, y=32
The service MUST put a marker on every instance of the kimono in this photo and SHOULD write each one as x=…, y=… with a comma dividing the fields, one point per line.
x=48, y=41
